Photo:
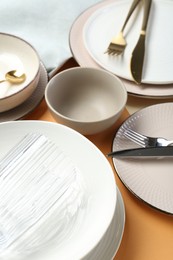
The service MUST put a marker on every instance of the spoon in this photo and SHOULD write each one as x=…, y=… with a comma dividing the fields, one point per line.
x=14, y=77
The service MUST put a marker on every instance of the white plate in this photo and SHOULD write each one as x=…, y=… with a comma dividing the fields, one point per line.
x=106, y=22
x=150, y=179
x=83, y=57
x=109, y=245
x=98, y=178
x=26, y=107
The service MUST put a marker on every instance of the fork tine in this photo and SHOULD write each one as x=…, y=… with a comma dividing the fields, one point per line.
x=113, y=52
x=118, y=43
x=110, y=51
x=116, y=46
x=136, y=137
x=136, y=134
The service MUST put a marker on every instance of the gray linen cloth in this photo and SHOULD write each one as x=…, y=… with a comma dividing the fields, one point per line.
x=45, y=24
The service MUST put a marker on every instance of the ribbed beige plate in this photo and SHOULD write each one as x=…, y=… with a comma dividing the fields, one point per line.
x=149, y=179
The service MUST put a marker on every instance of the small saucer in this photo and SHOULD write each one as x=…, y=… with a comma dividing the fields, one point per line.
x=22, y=110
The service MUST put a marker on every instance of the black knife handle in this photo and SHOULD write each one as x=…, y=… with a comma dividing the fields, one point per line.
x=147, y=5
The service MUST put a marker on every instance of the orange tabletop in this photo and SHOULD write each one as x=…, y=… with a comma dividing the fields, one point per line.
x=148, y=233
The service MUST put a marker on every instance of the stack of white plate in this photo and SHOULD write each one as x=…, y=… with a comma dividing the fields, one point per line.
x=60, y=199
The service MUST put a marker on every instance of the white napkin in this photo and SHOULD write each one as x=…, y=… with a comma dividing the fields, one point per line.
x=45, y=24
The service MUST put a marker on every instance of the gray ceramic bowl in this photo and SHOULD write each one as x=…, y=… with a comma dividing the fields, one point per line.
x=86, y=99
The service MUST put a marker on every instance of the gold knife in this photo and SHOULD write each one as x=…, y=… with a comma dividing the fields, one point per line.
x=137, y=59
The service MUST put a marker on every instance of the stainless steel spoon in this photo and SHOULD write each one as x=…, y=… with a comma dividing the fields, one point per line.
x=14, y=77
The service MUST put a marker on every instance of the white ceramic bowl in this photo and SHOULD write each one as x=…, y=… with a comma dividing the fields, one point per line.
x=17, y=54
x=86, y=99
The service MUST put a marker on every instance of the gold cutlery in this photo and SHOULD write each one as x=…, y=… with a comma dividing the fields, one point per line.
x=14, y=77
x=137, y=59
x=118, y=42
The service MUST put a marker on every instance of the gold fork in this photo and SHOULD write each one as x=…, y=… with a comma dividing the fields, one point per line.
x=118, y=43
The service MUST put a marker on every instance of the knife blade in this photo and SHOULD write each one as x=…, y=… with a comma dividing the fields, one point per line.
x=137, y=59
x=148, y=152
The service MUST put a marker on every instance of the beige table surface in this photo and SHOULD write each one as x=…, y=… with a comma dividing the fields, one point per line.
x=148, y=233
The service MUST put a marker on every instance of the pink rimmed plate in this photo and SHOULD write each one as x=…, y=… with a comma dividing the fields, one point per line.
x=83, y=57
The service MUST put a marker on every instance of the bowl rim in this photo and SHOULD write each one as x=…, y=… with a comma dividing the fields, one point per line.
x=79, y=121
x=38, y=68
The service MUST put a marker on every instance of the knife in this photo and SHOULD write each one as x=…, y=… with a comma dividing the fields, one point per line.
x=148, y=152
x=137, y=59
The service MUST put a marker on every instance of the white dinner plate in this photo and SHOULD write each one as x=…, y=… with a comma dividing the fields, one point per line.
x=98, y=178
x=22, y=110
x=149, y=179
x=106, y=22
x=84, y=58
